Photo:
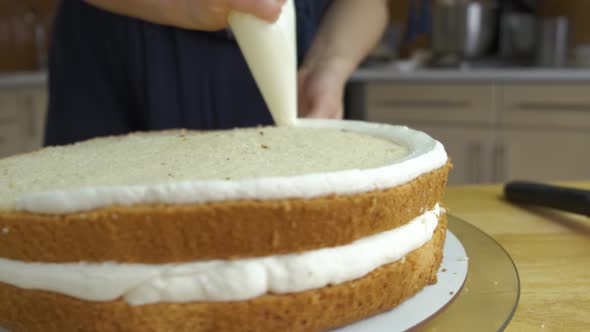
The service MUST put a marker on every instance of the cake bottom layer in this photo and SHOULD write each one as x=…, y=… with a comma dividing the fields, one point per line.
x=313, y=310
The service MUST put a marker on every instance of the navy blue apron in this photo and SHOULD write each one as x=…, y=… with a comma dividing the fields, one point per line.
x=110, y=74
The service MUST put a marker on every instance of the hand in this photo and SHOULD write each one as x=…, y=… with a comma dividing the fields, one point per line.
x=192, y=14
x=212, y=15
x=320, y=91
x=343, y=39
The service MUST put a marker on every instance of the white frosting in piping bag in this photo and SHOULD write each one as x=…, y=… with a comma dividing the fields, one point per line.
x=223, y=280
x=270, y=50
x=425, y=154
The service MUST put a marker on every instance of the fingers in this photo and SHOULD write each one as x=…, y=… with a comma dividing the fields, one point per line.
x=335, y=112
x=326, y=106
x=268, y=10
x=319, y=95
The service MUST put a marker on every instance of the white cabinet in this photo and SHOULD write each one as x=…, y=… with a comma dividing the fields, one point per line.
x=22, y=119
x=497, y=131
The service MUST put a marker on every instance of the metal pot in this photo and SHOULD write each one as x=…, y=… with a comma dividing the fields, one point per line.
x=553, y=41
x=465, y=29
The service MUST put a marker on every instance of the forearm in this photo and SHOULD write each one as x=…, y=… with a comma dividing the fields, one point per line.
x=350, y=29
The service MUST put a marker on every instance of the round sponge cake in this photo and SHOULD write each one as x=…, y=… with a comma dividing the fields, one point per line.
x=273, y=197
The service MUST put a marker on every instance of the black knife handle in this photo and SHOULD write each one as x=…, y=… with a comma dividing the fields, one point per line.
x=562, y=198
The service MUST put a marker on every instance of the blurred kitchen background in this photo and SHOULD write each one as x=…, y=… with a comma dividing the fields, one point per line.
x=504, y=84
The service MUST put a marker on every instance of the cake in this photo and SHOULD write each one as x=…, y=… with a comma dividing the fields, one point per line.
x=257, y=229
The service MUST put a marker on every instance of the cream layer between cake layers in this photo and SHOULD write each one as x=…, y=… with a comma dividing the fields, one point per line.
x=223, y=280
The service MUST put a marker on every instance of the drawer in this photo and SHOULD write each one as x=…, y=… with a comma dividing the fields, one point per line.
x=544, y=155
x=545, y=105
x=451, y=103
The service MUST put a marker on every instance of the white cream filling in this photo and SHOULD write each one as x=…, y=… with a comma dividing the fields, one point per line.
x=425, y=154
x=223, y=280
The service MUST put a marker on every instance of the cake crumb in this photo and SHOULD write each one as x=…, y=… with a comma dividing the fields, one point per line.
x=261, y=133
x=444, y=270
x=264, y=146
x=170, y=175
x=228, y=178
x=5, y=230
x=451, y=293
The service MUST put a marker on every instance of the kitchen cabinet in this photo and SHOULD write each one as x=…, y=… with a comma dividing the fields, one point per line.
x=22, y=119
x=8, y=144
x=453, y=103
x=10, y=131
x=539, y=154
x=33, y=120
x=544, y=132
x=495, y=131
x=545, y=105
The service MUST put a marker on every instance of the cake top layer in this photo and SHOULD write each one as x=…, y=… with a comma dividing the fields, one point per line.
x=195, y=165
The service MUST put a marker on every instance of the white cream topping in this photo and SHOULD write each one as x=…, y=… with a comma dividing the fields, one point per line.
x=271, y=53
x=424, y=154
x=223, y=280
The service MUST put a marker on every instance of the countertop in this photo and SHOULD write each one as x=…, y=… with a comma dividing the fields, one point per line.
x=551, y=250
x=23, y=79
x=388, y=73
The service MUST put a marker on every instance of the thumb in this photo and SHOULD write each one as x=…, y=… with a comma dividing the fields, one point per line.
x=268, y=10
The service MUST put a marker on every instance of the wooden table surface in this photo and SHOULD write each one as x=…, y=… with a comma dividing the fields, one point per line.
x=551, y=250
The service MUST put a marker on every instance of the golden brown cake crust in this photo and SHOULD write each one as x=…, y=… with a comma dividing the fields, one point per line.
x=384, y=288
x=231, y=229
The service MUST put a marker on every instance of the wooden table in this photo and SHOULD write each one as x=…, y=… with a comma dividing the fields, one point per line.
x=551, y=250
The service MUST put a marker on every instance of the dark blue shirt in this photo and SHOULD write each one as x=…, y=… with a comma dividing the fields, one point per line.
x=112, y=74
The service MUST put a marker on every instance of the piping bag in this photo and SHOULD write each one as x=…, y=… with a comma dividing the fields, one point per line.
x=270, y=51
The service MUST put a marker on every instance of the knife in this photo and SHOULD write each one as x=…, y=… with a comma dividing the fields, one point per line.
x=556, y=197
